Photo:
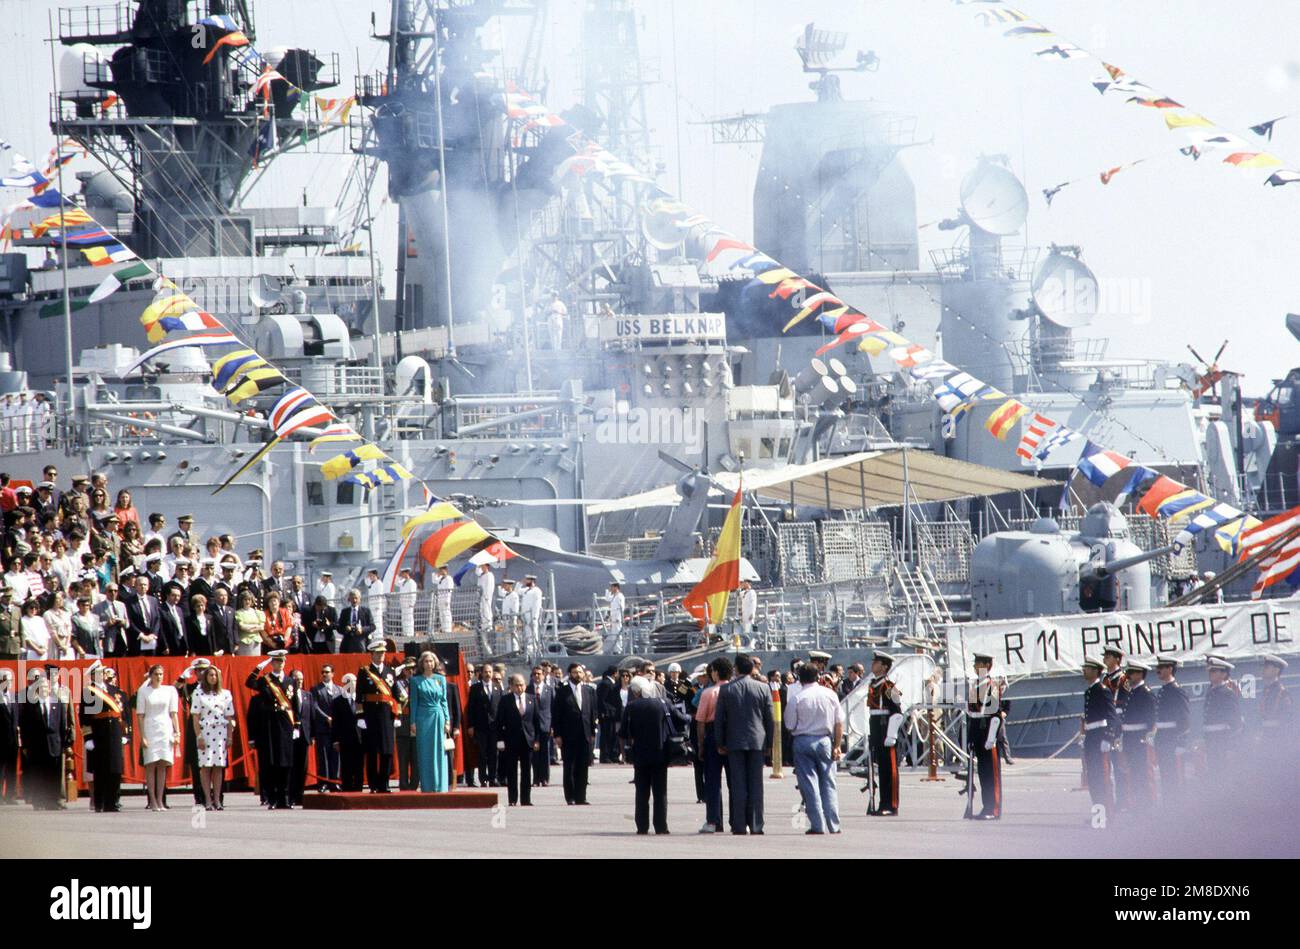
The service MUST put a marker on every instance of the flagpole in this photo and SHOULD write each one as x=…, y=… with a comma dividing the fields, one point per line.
x=63, y=236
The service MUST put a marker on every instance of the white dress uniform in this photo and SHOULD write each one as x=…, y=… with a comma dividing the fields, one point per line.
x=510, y=616
x=556, y=315
x=748, y=610
x=374, y=590
x=10, y=424
x=617, y=606
x=530, y=605
x=327, y=589
x=407, y=591
x=446, y=586
x=41, y=418
x=26, y=418
x=487, y=584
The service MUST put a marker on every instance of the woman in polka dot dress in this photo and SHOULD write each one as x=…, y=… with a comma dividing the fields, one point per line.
x=213, y=712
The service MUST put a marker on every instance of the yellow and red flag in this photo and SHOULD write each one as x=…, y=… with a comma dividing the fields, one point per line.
x=447, y=542
x=707, y=601
x=1005, y=417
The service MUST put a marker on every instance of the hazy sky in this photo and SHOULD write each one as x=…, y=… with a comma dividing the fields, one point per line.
x=1201, y=251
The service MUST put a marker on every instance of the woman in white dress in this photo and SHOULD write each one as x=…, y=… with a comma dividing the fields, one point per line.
x=213, y=711
x=36, y=635
x=160, y=733
x=59, y=623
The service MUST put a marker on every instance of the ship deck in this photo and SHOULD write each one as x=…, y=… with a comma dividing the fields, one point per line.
x=1045, y=815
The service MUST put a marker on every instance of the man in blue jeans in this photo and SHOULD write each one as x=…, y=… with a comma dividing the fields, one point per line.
x=816, y=719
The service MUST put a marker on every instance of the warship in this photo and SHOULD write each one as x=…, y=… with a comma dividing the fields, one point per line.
x=551, y=353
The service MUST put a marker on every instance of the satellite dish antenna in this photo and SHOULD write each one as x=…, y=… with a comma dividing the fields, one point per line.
x=1064, y=291
x=264, y=292
x=994, y=200
x=663, y=223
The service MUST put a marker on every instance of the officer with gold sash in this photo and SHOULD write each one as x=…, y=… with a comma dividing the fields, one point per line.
x=376, y=684
x=105, y=720
x=274, y=738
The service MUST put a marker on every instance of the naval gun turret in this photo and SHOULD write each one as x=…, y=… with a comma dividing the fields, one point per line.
x=1046, y=571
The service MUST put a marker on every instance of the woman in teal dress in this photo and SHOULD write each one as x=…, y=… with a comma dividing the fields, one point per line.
x=429, y=723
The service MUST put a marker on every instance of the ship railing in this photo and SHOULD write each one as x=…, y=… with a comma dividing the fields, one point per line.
x=104, y=23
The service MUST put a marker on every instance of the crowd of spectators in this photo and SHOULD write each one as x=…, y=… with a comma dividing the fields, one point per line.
x=87, y=575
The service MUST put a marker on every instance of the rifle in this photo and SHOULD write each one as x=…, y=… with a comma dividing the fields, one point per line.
x=970, y=756
x=870, y=787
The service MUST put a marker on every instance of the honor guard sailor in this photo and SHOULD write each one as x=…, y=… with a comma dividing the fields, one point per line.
x=509, y=615
x=1173, y=723
x=1222, y=717
x=277, y=727
x=1113, y=679
x=984, y=708
x=487, y=581
x=1139, y=717
x=530, y=605
x=617, y=604
x=885, y=712
x=1275, y=702
x=444, y=587
x=379, y=715
x=1101, y=723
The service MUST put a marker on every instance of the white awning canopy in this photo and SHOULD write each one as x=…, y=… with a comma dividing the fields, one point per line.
x=849, y=482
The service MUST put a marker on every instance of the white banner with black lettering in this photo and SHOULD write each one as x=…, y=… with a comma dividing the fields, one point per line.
x=1060, y=643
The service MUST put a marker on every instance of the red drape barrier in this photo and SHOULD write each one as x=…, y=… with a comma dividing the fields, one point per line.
x=132, y=672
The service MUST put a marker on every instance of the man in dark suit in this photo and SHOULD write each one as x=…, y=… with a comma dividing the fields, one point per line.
x=355, y=624
x=608, y=710
x=379, y=711
x=222, y=615
x=143, y=622
x=743, y=727
x=517, y=730
x=454, y=712
x=47, y=737
x=323, y=695
x=574, y=724
x=408, y=774
x=543, y=692
x=345, y=735
x=648, y=723
x=304, y=709
x=172, y=622
x=9, y=709
x=318, y=623
x=480, y=716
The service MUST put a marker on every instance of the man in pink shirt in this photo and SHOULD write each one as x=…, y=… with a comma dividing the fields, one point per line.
x=706, y=711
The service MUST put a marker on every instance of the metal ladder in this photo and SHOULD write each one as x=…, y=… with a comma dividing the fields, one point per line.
x=922, y=596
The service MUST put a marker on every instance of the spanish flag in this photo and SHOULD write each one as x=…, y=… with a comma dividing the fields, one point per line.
x=448, y=542
x=1004, y=418
x=707, y=601
x=342, y=464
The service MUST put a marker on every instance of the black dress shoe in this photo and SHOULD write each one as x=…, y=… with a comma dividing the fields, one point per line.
x=809, y=833
x=658, y=832
x=642, y=833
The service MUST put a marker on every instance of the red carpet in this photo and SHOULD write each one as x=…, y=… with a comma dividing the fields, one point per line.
x=399, y=801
